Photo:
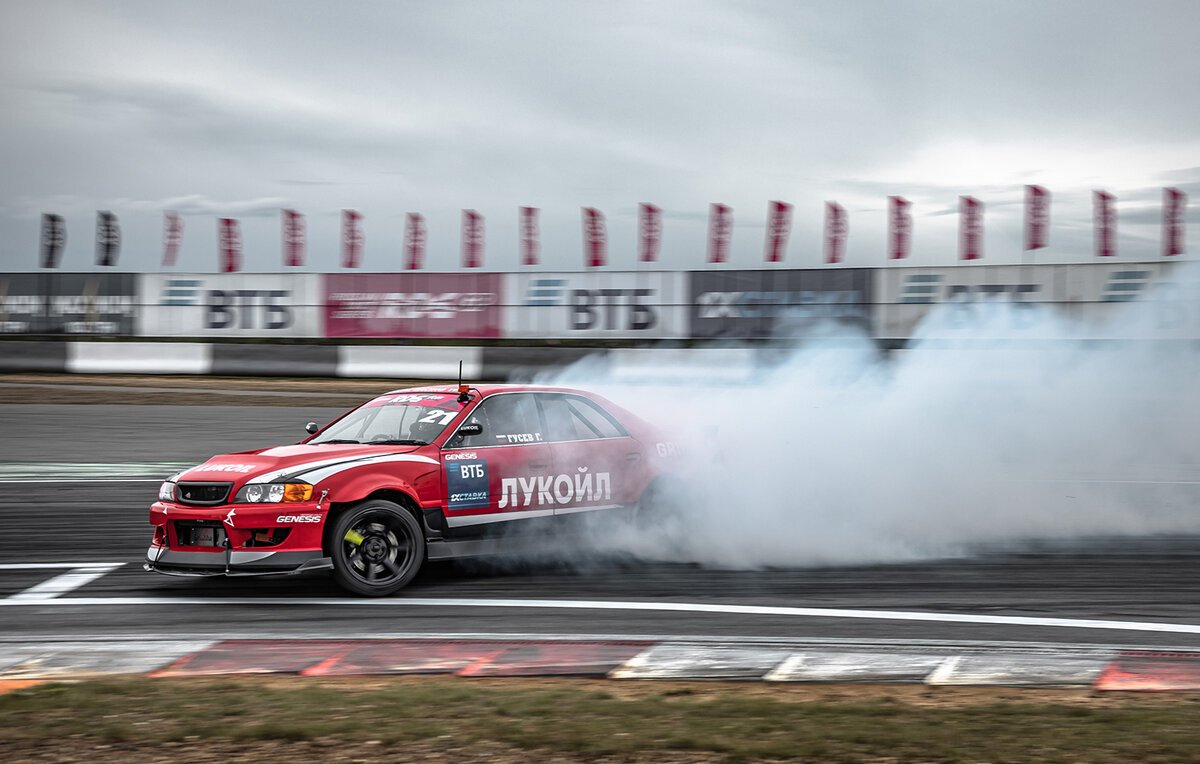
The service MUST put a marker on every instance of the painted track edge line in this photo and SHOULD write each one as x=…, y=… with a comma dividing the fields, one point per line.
x=882, y=615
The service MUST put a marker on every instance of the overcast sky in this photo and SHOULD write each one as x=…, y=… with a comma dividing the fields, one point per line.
x=240, y=109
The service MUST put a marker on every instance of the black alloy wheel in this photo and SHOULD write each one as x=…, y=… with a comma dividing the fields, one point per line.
x=377, y=548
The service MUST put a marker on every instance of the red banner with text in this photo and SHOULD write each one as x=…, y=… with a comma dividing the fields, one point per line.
x=1174, y=213
x=1037, y=217
x=649, y=232
x=970, y=228
x=1104, y=212
x=720, y=232
x=779, y=227
x=294, y=238
x=467, y=305
x=531, y=238
x=899, y=227
x=414, y=242
x=595, y=238
x=229, y=245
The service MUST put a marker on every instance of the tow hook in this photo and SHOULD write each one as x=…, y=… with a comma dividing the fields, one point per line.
x=323, y=495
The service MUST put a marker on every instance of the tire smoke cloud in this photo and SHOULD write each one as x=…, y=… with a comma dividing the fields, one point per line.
x=832, y=452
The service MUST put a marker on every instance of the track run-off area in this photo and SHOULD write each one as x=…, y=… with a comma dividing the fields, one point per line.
x=76, y=482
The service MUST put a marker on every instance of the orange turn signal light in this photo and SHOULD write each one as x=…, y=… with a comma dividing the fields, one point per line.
x=297, y=492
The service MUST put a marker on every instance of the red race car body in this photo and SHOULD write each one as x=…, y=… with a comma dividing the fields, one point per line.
x=418, y=474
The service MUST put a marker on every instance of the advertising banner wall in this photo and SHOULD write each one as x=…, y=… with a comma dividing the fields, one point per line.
x=596, y=305
x=68, y=303
x=764, y=304
x=230, y=305
x=414, y=305
x=1084, y=301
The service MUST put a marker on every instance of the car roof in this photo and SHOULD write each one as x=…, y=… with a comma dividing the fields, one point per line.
x=490, y=389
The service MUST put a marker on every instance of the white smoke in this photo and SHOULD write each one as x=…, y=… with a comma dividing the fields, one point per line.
x=835, y=453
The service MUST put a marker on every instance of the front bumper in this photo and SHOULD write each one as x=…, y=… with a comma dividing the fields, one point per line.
x=249, y=562
x=236, y=540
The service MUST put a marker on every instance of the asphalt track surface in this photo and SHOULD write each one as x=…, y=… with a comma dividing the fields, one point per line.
x=1135, y=592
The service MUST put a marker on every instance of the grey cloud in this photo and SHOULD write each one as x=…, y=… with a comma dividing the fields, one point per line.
x=202, y=205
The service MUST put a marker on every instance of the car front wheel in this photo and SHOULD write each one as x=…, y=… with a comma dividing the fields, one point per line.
x=377, y=548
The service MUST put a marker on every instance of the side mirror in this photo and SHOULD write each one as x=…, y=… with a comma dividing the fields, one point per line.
x=470, y=429
x=311, y=428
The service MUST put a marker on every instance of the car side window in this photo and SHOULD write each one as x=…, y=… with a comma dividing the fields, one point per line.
x=571, y=417
x=507, y=419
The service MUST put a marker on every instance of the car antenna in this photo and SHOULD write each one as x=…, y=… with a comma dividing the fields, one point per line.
x=464, y=394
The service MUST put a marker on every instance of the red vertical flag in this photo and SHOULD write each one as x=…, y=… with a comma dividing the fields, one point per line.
x=172, y=237
x=295, y=237
x=970, y=228
x=779, y=227
x=229, y=244
x=720, y=231
x=595, y=238
x=1174, y=228
x=352, y=239
x=649, y=232
x=414, y=242
x=1104, y=214
x=899, y=227
x=836, y=228
x=472, y=239
x=531, y=245
x=1037, y=217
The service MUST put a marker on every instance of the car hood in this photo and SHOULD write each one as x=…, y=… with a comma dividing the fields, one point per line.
x=303, y=463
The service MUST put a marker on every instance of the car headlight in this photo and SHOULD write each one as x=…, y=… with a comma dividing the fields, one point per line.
x=166, y=491
x=273, y=493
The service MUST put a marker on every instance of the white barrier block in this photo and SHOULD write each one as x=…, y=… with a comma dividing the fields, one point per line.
x=1020, y=670
x=419, y=361
x=686, y=661
x=76, y=659
x=139, y=357
x=844, y=666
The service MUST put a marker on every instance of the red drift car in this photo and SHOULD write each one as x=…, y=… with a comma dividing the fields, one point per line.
x=427, y=473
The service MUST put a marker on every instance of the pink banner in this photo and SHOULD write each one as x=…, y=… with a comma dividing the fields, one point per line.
x=836, y=228
x=531, y=244
x=899, y=227
x=1104, y=214
x=414, y=242
x=229, y=244
x=472, y=239
x=779, y=227
x=172, y=237
x=294, y=238
x=1174, y=225
x=595, y=238
x=720, y=231
x=649, y=232
x=1037, y=217
x=414, y=305
x=970, y=228
x=352, y=239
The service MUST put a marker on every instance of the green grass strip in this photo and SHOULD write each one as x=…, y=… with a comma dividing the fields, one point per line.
x=737, y=723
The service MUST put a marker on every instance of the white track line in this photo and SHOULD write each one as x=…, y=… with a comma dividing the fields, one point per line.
x=669, y=607
x=61, y=584
x=54, y=565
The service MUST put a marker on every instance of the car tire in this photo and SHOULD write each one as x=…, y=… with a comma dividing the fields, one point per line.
x=377, y=548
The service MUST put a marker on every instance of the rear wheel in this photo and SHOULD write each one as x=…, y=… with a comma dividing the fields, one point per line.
x=377, y=548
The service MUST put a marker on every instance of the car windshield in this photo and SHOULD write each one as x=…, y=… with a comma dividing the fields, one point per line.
x=395, y=419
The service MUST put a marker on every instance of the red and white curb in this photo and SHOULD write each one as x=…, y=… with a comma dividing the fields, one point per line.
x=662, y=659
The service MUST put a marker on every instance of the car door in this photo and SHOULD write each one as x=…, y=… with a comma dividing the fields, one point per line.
x=503, y=473
x=597, y=464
